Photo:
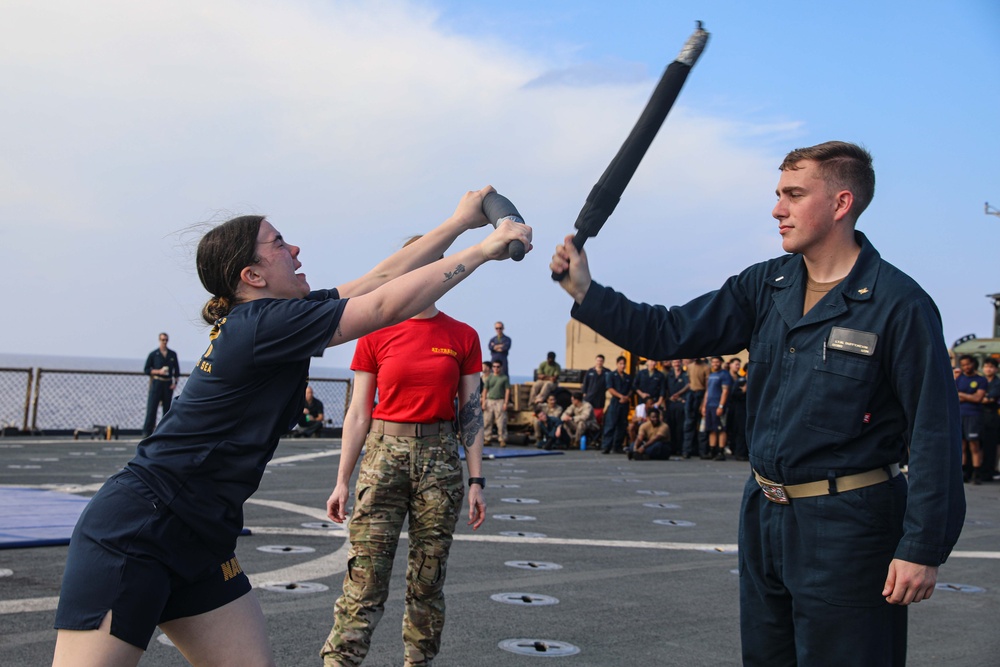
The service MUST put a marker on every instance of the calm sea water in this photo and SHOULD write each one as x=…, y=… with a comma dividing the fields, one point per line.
x=15, y=360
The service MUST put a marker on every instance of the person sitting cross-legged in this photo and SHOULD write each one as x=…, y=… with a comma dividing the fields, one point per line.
x=549, y=426
x=552, y=409
x=578, y=420
x=311, y=422
x=546, y=380
x=653, y=441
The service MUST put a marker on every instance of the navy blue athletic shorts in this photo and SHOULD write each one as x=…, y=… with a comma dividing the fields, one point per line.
x=713, y=422
x=131, y=555
x=971, y=426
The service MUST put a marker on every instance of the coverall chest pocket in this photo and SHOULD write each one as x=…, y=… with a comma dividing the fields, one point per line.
x=759, y=355
x=840, y=390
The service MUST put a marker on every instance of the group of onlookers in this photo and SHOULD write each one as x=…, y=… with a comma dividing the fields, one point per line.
x=558, y=427
x=978, y=402
x=690, y=407
x=683, y=407
x=695, y=407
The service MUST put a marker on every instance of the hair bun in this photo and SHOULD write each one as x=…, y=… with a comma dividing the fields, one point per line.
x=215, y=309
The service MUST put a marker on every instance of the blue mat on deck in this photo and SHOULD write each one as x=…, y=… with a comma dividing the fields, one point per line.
x=36, y=518
x=509, y=452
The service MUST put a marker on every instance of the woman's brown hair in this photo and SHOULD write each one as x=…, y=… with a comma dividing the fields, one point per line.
x=223, y=253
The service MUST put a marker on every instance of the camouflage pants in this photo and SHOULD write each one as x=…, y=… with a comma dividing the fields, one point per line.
x=421, y=477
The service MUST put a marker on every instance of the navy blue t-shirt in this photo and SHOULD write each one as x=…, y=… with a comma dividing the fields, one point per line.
x=970, y=384
x=207, y=455
x=713, y=388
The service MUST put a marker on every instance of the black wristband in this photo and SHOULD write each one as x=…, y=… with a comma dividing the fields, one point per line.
x=481, y=481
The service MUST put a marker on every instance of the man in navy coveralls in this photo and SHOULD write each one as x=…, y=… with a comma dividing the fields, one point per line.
x=164, y=371
x=834, y=541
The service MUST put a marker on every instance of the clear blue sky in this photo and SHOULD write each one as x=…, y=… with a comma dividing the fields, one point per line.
x=354, y=125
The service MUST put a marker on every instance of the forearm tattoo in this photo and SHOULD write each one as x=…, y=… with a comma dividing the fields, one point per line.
x=470, y=419
x=448, y=275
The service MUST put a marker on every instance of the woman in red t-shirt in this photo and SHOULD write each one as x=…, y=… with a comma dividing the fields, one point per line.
x=411, y=466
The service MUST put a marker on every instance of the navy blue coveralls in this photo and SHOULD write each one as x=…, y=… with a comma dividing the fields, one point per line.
x=812, y=572
x=160, y=392
x=499, y=349
x=674, y=415
x=616, y=415
x=595, y=387
x=651, y=383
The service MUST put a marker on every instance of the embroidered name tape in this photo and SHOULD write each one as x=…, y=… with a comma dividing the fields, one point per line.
x=852, y=340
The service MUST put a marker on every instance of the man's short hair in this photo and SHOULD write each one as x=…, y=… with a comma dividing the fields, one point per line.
x=621, y=358
x=843, y=166
x=991, y=361
x=975, y=364
x=652, y=411
x=577, y=395
x=551, y=355
x=600, y=356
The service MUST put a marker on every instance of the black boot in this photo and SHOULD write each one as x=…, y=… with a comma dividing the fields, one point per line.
x=966, y=473
x=977, y=474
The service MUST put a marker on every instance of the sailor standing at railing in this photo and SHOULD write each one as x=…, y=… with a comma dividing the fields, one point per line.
x=164, y=371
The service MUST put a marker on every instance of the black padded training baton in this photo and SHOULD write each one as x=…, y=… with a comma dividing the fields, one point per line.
x=604, y=197
x=497, y=208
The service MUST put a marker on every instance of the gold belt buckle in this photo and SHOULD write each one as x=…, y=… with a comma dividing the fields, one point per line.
x=774, y=492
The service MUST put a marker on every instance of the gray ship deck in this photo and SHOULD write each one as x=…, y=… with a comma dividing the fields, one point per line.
x=630, y=591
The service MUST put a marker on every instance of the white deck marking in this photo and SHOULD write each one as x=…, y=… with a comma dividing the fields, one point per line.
x=336, y=562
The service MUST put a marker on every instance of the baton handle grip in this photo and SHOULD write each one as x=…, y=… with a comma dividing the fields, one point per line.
x=496, y=208
x=578, y=241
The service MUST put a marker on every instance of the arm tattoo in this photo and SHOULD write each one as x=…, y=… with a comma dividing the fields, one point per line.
x=448, y=275
x=470, y=419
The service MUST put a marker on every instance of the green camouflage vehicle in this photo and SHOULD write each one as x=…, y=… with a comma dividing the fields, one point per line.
x=981, y=348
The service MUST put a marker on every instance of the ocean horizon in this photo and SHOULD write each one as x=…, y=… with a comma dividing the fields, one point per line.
x=120, y=364
x=51, y=392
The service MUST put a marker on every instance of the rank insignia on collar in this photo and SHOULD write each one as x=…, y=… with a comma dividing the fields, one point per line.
x=863, y=290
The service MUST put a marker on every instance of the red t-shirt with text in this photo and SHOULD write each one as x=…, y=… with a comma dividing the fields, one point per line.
x=417, y=365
